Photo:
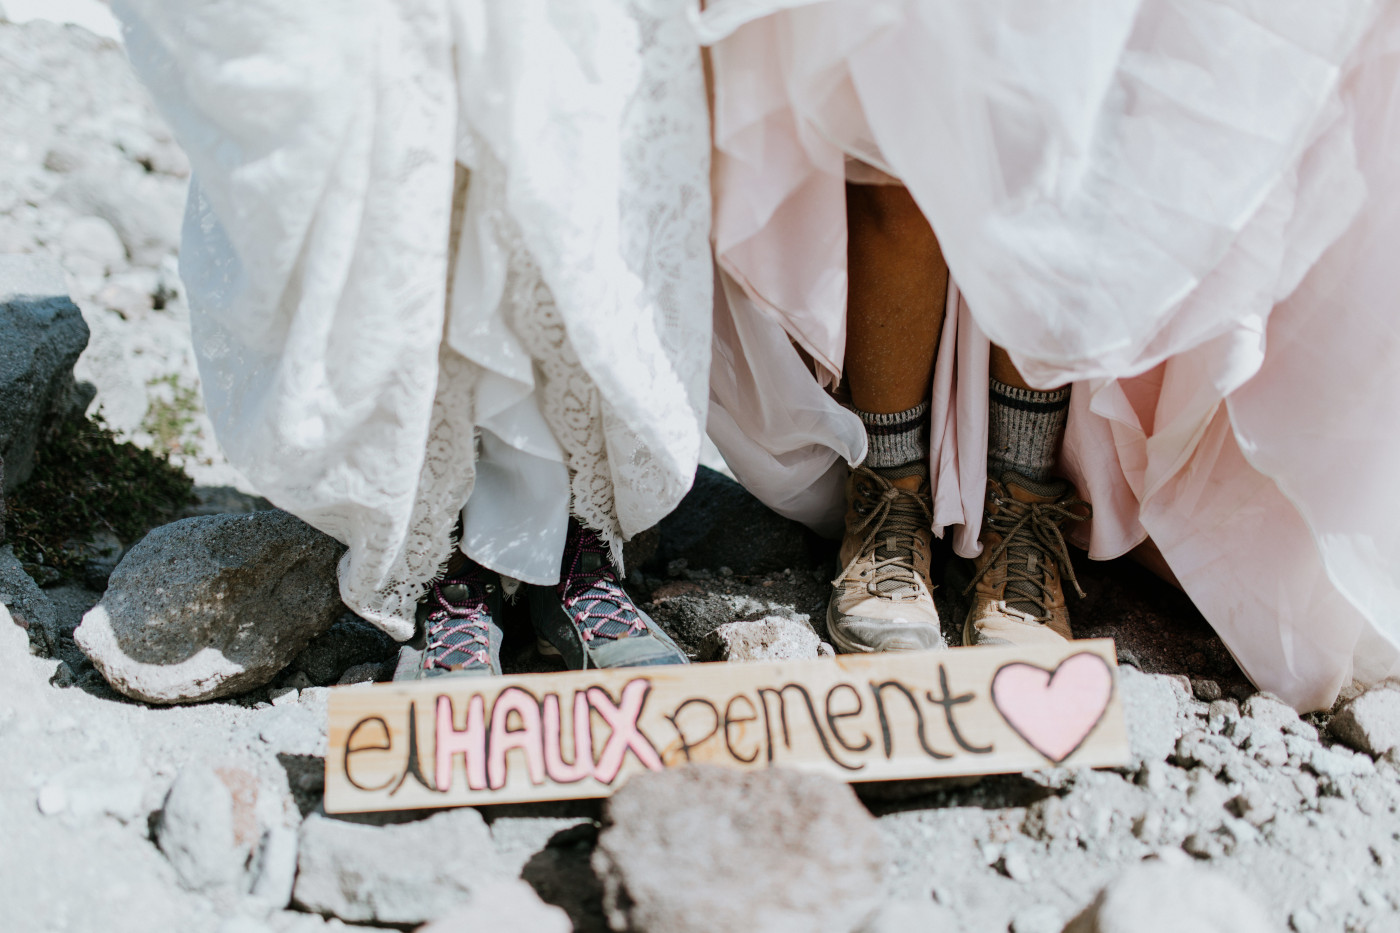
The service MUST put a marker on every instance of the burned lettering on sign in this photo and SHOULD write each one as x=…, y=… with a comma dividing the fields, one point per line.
x=522, y=722
x=622, y=717
x=559, y=770
x=352, y=749
x=832, y=717
x=948, y=702
x=674, y=718
x=580, y=734
x=877, y=689
x=765, y=692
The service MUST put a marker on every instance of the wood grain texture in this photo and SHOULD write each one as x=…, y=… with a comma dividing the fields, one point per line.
x=457, y=741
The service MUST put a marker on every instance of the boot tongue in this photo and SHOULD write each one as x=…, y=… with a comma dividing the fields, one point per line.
x=888, y=545
x=1027, y=557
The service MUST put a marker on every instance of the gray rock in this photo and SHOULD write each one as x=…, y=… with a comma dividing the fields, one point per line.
x=350, y=641
x=700, y=849
x=1150, y=704
x=1199, y=747
x=1223, y=717
x=1156, y=897
x=1255, y=805
x=1205, y=690
x=273, y=868
x=362, y=674
x=689, y=614
x=196, y=831
x=90, y=245
x=42, y=334
x=1337, y=762
x=208, y=607
x=147, y=221
x=101, y=554
x=404, y=873
x=294, y=729
x=29, y=606
x=223, y=500
x=720, y=524
x=1268, y=710
x=772, y=638
x=503, y=905
x=1370, y=722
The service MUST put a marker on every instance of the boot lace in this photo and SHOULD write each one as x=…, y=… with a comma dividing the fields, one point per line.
x=1034, y=546
x=892, y=518
x=590, y=591
x=459, y=629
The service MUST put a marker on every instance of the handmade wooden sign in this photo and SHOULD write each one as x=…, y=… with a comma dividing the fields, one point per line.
x=454, y=741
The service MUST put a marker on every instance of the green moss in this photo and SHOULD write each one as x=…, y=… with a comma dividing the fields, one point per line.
x=170, y=416
x=85, y=481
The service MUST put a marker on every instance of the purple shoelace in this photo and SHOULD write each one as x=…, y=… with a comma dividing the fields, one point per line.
x=459, y=627
x=590, y=591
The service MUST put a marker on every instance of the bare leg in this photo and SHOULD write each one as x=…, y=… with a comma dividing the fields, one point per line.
x=882, y=600
x=1003, y=370
x=898, y=286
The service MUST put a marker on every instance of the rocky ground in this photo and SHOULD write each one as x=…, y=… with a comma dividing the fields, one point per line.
x=1236, y=814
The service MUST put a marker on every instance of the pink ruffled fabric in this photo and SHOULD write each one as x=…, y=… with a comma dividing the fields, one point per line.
x=1184, y=208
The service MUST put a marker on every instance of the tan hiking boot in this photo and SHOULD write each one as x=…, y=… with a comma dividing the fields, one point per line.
x=883, y=600
x=1019, y=598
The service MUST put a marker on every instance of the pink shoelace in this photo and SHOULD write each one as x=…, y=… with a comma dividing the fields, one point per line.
x=455, y=627
x=593, y=597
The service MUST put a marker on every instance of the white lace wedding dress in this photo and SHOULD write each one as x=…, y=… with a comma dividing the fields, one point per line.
x=444, y=252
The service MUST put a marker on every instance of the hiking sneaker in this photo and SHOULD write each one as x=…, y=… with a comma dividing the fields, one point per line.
x=589, y=620
x=883, y=600
x=1019, y=597
x=457, y=634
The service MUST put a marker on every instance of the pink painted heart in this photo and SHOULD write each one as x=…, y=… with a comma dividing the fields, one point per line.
x=1054, y=711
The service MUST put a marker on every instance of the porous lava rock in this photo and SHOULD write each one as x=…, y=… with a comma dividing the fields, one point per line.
x=42, y=334
x=212, y=606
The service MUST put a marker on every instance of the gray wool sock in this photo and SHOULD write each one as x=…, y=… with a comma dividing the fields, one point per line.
x=897, y=438
x=1024, y=429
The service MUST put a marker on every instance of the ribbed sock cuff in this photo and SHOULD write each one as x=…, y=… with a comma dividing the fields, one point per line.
x=1024, y=430
x=897, y=438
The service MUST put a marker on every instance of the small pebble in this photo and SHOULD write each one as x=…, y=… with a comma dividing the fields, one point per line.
x=1206, y=690
x=282, y=696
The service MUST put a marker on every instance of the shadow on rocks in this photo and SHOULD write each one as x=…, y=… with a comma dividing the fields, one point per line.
x=993, y=792
x=562, y=875
x=1155, y=626
x=720, y=524
x=306, y=777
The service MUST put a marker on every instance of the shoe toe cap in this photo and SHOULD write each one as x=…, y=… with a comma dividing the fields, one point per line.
x=863, y=634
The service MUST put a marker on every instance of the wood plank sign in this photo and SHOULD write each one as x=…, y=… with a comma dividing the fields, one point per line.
x=455, y=741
